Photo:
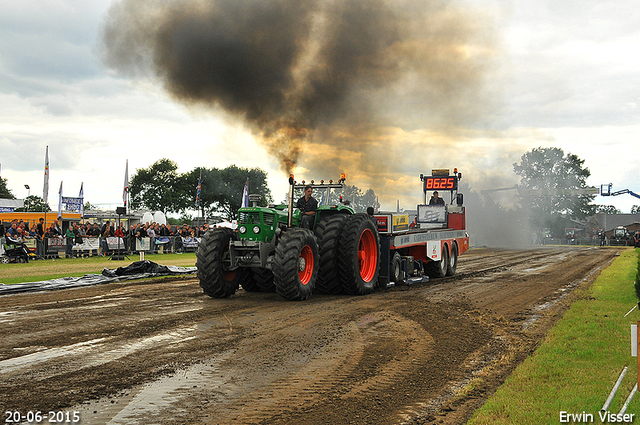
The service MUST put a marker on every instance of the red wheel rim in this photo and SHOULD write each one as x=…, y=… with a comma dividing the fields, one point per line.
x=367, y=255
x=305, y=265
x=229, y=275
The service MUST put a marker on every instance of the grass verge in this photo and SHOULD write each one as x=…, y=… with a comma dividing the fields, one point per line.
x=580, y=360
x=73, y=267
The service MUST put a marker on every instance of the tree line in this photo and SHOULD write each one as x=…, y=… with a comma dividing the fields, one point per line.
x=161, y=188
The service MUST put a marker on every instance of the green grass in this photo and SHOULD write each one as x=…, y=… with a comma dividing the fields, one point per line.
x=73, y=267
x=580, y=360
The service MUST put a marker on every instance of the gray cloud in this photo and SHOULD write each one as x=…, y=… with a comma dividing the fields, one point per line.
x=46, y=46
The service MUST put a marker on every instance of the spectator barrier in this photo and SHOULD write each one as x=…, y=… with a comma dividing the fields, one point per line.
x=92, y=246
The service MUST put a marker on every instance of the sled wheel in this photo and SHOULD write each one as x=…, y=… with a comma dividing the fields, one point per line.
x=396, y=269
x=452, y=265
x=438, y=269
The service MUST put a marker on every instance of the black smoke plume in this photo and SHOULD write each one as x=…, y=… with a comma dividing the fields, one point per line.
x=332, y=80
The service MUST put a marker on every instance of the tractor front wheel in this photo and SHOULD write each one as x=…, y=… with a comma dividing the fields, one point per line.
x=212, y=260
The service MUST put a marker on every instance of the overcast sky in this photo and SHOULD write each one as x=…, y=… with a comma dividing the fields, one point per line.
x=560, y=74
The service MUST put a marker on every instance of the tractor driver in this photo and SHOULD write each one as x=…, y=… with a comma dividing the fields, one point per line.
x=436, y=200
x=308, y=206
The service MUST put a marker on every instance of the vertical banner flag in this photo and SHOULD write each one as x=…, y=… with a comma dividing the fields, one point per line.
x=81, y=196
x=45, y=187
x=60, y=202
x=125, y=191
x=198, y=189
x=245, y=195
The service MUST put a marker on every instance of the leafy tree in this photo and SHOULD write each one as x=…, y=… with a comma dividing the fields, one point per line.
x=224, y=188
x=5, y=193
x=607, y=209
x=34, y=203
x=161, y=188
x=157, y=188
x=635, y=209
x=552, y=170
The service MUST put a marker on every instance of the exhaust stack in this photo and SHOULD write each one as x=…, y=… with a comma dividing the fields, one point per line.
x=291, y=182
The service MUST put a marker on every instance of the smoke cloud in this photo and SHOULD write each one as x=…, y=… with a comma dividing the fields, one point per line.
x=378, y=89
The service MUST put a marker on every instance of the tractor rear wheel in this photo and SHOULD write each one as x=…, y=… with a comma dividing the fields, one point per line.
x=212, y=261
x=328, y=232
x=250, y=285
x=263, y=279
x=295, y=265
x=359, y=255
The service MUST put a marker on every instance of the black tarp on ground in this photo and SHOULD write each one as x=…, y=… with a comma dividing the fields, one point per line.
x=136, y=270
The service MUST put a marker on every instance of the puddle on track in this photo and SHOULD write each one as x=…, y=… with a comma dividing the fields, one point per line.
x=94, y=352
x=148, y=403
x=10, y=365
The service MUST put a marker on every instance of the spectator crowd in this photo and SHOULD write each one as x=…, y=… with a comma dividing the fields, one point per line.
x=164, y=238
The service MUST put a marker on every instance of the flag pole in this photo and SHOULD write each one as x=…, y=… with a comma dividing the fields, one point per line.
x=198, y=188
x=125, y=191
x=45, y=187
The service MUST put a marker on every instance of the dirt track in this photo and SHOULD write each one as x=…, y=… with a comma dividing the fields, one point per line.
x=163, y=352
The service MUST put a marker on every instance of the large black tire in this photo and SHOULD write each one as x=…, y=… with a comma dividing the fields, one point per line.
x=438, y=269
x=216, y=279
x=263, y=279
x=250, y=285
x=328, y=232
x=359, y=255
x=295, y=265
x=452, y=264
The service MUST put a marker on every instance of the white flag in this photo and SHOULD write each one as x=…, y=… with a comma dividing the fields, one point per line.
x=126, y=184
x=45, y=188
x=60, y=201
x=245, y=195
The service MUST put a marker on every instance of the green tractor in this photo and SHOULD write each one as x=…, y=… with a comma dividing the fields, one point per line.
x=271, y=252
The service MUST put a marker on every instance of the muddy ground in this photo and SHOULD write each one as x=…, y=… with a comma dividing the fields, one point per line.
x=161, y=351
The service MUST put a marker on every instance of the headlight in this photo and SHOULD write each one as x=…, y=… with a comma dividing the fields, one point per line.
x=256, y=229
x=242, y=230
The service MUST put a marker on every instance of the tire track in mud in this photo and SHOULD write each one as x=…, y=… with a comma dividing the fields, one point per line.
x=278, y=390
x=162, y=352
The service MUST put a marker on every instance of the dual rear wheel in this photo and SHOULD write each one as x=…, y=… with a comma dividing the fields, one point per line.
x=447, y=265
